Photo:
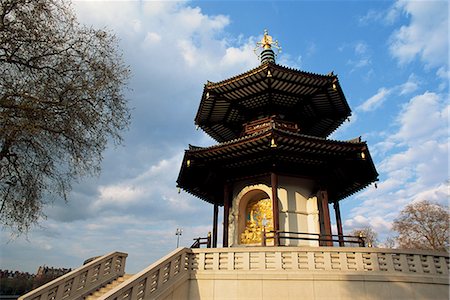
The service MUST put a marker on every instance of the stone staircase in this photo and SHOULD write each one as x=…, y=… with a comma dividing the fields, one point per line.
x=103, y=290
x=83, y=281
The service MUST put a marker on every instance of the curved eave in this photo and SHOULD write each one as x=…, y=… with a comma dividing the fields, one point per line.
x=184, y=182
x=278, y=133
x=293, y=152
x=262, y=68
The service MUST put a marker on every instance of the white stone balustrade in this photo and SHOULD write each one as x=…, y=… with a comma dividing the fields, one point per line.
x=163, y=276
x=316, y=273
x=269, y=273
x=346, y=259
x=82, y=281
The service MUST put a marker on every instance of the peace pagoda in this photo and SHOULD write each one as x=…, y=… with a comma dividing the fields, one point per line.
x=275, y=174
x=274, y=169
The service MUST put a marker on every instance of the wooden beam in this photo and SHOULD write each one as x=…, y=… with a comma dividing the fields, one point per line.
x=324, y=217
x=275, y=211
x=226, y=213
x=337, y=211
x=215, y=218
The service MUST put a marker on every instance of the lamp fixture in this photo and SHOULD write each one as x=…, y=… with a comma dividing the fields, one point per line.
x=273, y=144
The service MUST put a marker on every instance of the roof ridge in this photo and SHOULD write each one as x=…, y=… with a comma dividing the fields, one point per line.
x=262, y=67
x=262, y=132
x=313, y=137
x=269, y=129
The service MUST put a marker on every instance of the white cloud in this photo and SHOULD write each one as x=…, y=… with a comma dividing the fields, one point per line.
x=172, y=49
x=182, y=37
x=152, y=38
x=393, y=13
x=360, y=221
x=382, y=94
x=382, y=147
x=312, y=49
x=157, y=181
x=371, y=15
x=156, y=9
x=119, y=194
x=414, y=164
x=386, y=17
x=443, y=73
x=410, y=86
x=422, y=119
x=361, y=48
x=136, y=25
x=434, y=193
x=426, y=36
x=375, y=101
x=362, y=56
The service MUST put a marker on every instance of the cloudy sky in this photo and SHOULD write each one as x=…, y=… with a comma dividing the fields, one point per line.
x=392, y=59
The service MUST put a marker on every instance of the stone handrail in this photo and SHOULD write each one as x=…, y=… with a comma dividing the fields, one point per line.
x=161, y=278
x=82, y=281
x=342, y=259
x=151, y=282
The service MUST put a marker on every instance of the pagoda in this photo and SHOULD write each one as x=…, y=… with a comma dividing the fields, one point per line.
x=274, y=170
x=275, y=174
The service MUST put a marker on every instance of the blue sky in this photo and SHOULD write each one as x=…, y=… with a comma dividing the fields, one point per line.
x=392, y=59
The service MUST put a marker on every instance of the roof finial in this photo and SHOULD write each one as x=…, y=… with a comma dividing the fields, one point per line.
x=266, y=43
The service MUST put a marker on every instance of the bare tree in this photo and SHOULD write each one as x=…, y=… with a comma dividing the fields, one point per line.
x=389, y=242
x=61, y=99
x=423, y=225
x=368, y=234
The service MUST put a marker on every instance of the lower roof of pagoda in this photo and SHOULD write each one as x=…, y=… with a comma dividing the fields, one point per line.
x=343, y=167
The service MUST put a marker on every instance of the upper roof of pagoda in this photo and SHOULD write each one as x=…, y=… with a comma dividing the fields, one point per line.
x=315, y=102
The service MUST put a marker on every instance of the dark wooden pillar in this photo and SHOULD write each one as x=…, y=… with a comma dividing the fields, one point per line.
x=324, y=218
x=275, y=211
x=226, y=213
x=337, y=211
x=215, y=218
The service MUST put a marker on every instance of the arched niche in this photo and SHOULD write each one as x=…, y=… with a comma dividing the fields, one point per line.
x=255, y=213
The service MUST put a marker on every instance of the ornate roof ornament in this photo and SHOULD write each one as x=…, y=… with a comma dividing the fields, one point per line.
x=266, y=44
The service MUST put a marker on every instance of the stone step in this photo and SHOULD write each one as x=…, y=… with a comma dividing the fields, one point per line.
x=106, y=288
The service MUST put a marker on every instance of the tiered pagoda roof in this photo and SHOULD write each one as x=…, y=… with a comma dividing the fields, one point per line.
x=344, y=167
x=275, y=119
x=315, y=101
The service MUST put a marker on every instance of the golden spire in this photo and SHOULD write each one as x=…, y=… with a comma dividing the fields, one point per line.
x=267, y=43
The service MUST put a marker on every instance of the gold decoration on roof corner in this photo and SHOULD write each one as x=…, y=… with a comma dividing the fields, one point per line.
x=267, y=42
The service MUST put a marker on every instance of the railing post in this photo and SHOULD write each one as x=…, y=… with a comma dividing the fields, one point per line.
x=208, y=242
x=276, y=236
x=275, y=211
x=337, y=212
x=215, y=220
x=44, y=296
x=60, y=291
x=362, y=243
x=263, y=239
x=226, y=213
x=324, y=218
x=160, y=278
